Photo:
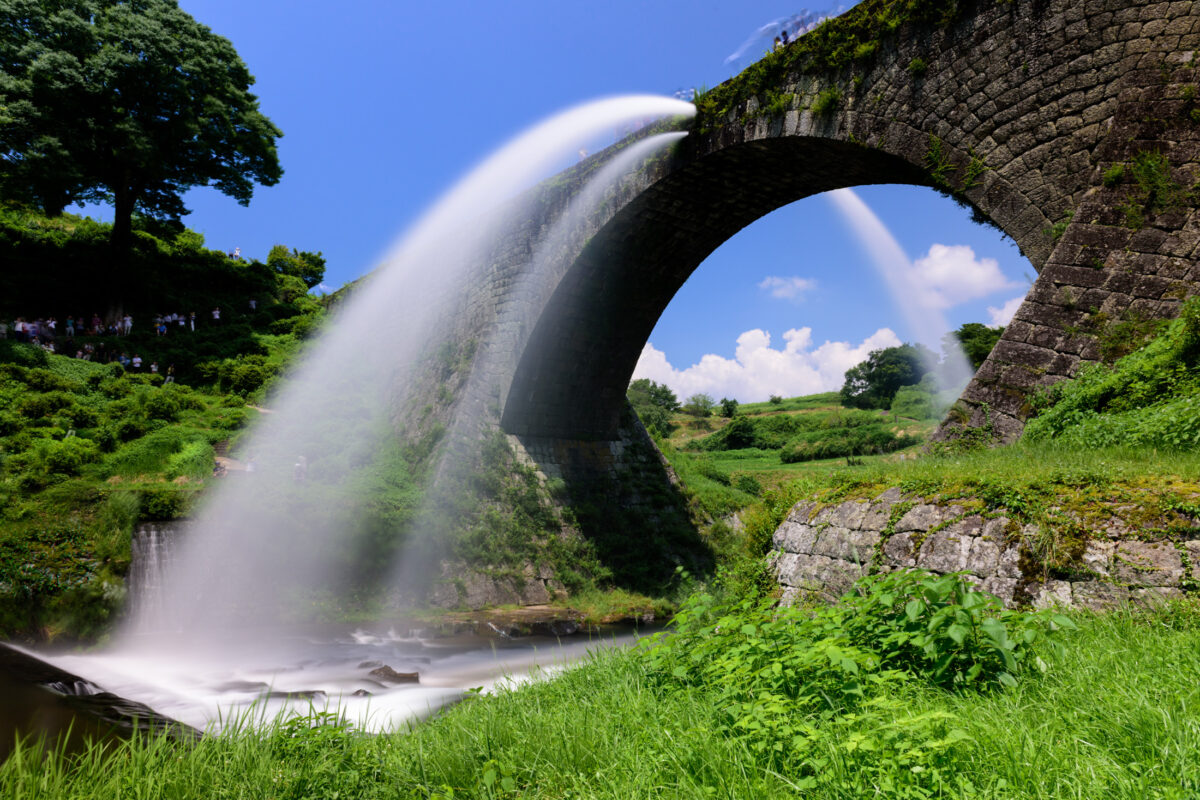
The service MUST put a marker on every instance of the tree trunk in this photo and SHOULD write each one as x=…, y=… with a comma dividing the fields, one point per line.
x=121, y=241
x=122, y=230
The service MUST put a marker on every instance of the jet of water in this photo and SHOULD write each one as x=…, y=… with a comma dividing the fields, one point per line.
x=266, y=541
x=551, y=256
x=924, y=319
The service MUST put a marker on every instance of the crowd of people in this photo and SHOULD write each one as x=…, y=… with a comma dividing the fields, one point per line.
x=61, y=337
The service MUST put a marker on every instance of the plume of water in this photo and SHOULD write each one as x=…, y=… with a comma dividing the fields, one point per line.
x=266, y=538
x=551, y=255
x=925, y=320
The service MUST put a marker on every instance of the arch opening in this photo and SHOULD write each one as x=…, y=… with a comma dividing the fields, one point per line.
x=569, y=380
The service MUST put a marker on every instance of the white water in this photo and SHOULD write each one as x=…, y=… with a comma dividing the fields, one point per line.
x=925, y=320
x=532, y=290
x=219, y=639
x=265, y=538
x=323, y=669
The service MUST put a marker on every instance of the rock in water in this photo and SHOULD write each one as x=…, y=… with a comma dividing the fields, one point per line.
x=386, y=673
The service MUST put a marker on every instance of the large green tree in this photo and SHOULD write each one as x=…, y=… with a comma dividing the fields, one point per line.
x=308, y=267
x=654, y=404
x=873, y=383
x=976, y=340
x=127, y=102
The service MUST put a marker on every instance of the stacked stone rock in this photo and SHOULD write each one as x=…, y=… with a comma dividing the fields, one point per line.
x=821, y=551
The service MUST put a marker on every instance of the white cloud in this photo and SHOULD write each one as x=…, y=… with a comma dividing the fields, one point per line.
x=790, y=288
x=1004, y=314
x=758, y=371
x=951, y=274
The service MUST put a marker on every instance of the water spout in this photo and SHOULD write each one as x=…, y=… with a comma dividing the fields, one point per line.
x=925, y=320
x=267, y=540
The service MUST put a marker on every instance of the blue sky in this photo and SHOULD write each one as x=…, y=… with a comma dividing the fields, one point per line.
x=384, y=105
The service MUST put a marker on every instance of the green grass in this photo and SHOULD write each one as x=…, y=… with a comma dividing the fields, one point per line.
x=1114, y=715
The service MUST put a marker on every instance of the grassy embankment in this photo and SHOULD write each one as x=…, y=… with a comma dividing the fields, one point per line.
x=88, y=449
x=1108, y=713
x=914, y=687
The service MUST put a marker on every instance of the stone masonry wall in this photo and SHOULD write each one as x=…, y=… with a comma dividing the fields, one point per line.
x=1021, y=111
x=821, y=551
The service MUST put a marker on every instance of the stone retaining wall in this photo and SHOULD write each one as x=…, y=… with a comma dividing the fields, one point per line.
x=822, y=550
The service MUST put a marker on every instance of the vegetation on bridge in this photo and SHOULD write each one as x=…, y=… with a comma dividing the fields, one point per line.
x=851, y=39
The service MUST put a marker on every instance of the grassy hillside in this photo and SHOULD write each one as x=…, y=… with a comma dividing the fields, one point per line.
x=89, y=447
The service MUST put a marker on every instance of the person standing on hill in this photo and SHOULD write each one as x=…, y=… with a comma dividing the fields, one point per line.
x=192, y=321
x=216, y=314
x=126, y=324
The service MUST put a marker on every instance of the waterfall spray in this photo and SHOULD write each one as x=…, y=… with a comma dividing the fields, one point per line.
x=925, y=321
x=551, y=256
x=265, y=539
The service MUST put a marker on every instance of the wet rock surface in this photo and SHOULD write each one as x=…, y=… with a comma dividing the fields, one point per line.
x=37, y=698
x=821, y=550
x=389, y=675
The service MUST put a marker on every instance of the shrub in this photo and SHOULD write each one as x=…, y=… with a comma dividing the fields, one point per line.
x=837, y=442
x=158, y=405
x=827, y=102
x=781, y=675
x=699, y=406
x=748, y=484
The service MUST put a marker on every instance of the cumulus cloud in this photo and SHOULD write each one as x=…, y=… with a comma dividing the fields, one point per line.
x=789, y=288
x=951, y=274
x=758, y=370
x=1004, y=314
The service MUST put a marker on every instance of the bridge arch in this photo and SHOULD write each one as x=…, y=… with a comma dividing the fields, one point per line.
x=1021, y=109
x=570, y=380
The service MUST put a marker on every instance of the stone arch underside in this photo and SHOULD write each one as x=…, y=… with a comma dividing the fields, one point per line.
x=1021, y=110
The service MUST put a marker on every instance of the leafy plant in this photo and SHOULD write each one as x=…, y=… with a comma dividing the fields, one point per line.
x=1114, y=175
x=827, y=102
x=937, y=160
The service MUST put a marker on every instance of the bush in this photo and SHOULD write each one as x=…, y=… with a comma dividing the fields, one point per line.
x=748, y=484
x=699, y=406
x=838, y=442
x=781, y=675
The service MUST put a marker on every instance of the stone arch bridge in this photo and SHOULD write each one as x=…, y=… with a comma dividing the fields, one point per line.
x=1033, y=112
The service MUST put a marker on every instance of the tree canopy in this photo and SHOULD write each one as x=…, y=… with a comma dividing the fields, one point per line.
x=873, y=383
x=128, y=102
x=654, y=404
x=308, y=267
x=976, y=339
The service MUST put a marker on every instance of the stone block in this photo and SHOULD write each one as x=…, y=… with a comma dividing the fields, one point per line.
x=1003, y=588
x=898, y=551
x=1099, y=595
x=1051, y=594
x=1147, y=564
x=880, y=509
x=844, y=515
x=1097, y=557
x=944, y=551
x=920, y=517
x=794, y=537
x=846, y=544
x=828, y=577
